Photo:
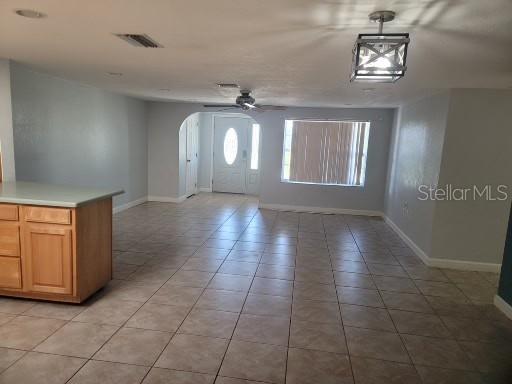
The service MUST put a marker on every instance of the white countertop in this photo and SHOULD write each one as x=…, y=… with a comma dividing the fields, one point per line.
x=22, y=192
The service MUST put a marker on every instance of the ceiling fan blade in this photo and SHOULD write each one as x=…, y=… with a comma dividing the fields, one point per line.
x=227, y=109
x=271, y=107
x=250, y=106
x=220, y=106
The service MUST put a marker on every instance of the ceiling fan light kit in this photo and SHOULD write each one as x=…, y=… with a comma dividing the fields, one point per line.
x=380, y=57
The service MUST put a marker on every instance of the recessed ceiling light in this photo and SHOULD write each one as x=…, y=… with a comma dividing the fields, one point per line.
x=368, y=89
x=228, y=85
x=30, y=13
x=164, y=89
x=115, y=73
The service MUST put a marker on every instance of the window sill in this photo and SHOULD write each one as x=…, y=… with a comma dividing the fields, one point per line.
x=321, y=184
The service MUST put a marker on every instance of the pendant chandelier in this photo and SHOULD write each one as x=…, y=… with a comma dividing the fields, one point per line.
x=380, y=57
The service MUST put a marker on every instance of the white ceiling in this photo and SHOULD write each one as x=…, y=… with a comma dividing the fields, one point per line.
x=290, y=52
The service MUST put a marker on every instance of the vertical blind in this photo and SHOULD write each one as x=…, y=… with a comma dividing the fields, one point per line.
x=325, y=152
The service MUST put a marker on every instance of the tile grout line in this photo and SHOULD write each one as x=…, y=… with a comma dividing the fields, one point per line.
x=192, y=307
x=117, y=331
x=339, y=306
x=375, y=231
x=398, y=333
x=403, y=340
x=291, y=307
x=239, y=314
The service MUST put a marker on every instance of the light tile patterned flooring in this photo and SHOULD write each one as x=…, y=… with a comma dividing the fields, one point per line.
x=215, y=290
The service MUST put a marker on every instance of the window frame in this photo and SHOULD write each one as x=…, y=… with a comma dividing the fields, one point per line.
x=255, y=154
x=365, y=152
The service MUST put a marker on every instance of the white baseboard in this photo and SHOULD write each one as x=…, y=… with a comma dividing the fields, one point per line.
x=167, y=199
x=464, y=265
x=503, y=306
x=407, y=240
x=442, y=263
x=305, y=209
x=131, y=204
x=205, y=189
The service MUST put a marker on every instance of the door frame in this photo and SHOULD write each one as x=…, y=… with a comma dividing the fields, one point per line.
x=196, y=127
x=249, y=137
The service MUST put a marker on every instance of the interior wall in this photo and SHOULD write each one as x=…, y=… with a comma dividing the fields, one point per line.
x=6, y=129
x=69, y=133
x=477, y=151
x=415, y=159
x=459, y=139
x=165, y=119
x=370, y=197
x=205, y=150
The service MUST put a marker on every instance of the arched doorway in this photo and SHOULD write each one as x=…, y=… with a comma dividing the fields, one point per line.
x=189, y=154
x=219, y=152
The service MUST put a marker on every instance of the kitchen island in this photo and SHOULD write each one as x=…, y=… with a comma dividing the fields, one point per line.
x=55, y=241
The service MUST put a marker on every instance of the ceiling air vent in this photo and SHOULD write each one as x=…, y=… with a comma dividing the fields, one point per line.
x=228, y=85
x=139, y=40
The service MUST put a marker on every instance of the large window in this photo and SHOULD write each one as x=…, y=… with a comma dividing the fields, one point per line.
x=325, y=152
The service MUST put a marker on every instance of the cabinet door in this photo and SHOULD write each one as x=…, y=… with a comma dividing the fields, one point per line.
x=48, y=257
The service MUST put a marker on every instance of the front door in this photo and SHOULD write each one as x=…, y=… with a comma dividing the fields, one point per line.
x=230, y=154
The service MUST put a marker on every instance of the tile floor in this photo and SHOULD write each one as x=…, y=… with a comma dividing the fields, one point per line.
x=215, y=290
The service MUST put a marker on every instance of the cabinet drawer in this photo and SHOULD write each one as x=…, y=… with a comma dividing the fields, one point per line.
x=10, y=272
x=9, y=239
x=8, y=212
x=48, y=215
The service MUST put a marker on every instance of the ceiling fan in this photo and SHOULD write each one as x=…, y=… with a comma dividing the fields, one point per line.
x=246, y=102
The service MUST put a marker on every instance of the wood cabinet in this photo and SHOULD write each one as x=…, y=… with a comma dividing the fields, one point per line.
x=8, y=212
x=9, y=239
x=52, y=253
x=48, y=259
x=10, y=272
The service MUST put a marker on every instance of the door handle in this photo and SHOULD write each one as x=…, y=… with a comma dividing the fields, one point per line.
x=188, y=161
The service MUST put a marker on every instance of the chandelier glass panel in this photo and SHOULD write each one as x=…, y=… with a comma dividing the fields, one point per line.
x=380, y=57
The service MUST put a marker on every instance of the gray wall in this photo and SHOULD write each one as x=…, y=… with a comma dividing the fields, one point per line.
x=69, y=133
x=367, y=198
x=461, y=138
x=205, y=150
x=415, y=160
x=165, y=119
x=6, y=133
x=477, y=150
x=163, y=123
